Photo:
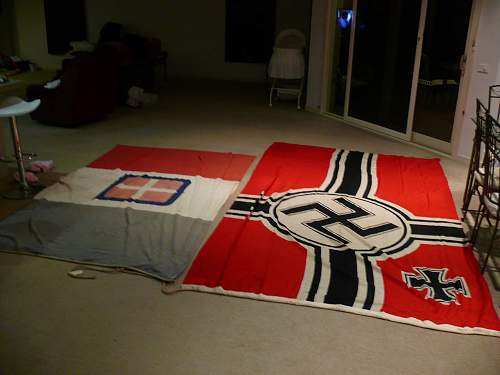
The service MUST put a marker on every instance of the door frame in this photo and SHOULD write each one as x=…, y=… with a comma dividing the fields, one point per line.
x=409, y=135
x=416, y=69
x=470, y=44
x=327, y=58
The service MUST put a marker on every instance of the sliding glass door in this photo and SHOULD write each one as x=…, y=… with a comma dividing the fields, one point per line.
x=378, y=62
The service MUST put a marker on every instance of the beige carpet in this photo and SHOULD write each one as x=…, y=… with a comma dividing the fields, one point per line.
x=122, y=324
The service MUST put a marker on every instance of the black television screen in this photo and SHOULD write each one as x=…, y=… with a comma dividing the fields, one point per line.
x=65, y=21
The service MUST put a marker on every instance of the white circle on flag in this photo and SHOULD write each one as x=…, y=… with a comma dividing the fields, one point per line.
x=341, y=222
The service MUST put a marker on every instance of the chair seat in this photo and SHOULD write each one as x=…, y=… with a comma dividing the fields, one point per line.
x=491, y=203
x=19, y=109
x=479, y=177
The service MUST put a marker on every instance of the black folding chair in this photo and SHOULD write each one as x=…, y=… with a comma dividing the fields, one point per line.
x=494, y=102
x=475, y=175
x=489, y=207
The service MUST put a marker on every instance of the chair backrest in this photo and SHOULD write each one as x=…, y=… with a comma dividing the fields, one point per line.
x=492, y=161
x=89, y=82
x=494, y=101
x=478, y=146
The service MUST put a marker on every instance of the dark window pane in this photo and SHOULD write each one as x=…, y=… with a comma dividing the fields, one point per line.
x=439, y=77
x=250, y=30
x=65, y=21
x=383, y=61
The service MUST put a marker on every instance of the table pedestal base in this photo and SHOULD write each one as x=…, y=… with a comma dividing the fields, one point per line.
x=20, y=192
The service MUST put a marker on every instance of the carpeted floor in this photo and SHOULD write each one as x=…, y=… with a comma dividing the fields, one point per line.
x=123, y=324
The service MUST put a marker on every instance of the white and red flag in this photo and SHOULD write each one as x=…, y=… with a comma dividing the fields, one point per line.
x=144, y=208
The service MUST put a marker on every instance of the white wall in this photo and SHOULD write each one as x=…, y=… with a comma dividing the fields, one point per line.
x=192, y=31
x=486, y=51
x=293, y=14
x=498, y=74
x=316, y=53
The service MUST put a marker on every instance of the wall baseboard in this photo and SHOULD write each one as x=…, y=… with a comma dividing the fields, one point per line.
x=432, y=142
x=312, y=109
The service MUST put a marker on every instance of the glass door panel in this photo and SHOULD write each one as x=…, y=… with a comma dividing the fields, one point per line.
x=383, y=61
x=342, y=16
x=440, y=67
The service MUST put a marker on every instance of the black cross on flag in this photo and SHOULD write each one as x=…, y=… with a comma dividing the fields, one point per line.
x=438, y=288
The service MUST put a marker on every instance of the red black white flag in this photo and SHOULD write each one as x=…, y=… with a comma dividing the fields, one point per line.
x=372, y=234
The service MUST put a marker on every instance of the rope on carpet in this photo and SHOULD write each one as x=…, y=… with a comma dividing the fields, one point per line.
x=79, y=272
x=82, y=272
